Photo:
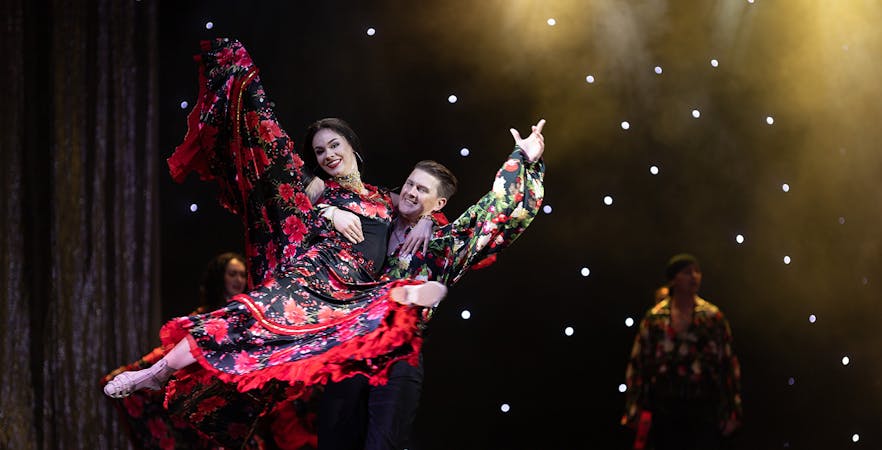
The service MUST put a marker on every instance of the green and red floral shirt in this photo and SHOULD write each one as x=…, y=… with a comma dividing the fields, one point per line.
x=483, y=230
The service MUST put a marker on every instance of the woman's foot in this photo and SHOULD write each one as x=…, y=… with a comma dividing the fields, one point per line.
x=153, y=377
x=428, y=294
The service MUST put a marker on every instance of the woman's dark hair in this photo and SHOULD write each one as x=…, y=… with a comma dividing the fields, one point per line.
x=340, y=127
x=212, y=291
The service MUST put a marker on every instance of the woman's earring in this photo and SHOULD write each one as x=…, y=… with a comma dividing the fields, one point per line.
x=359, y=158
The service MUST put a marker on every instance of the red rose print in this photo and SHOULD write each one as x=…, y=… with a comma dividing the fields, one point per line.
x=242, y=58
x=294, y=313
x=375, y=210
x=245, y=362
x=217, y=329
x=269, y=131
x=294, y=228
x=224, y=56
x=251, y=119
x=327, y=314
x=287, y=192
x=302, y=202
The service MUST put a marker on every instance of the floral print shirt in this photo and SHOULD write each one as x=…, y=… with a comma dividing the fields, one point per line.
x=698, y=365
x=483, y=230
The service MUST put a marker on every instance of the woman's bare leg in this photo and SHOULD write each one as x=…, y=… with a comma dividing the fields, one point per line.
x=153, y=377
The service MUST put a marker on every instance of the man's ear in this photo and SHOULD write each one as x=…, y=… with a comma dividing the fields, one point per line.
x=439, y=204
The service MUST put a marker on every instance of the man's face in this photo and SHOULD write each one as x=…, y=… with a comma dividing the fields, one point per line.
x=419, y=195
x=687, y=280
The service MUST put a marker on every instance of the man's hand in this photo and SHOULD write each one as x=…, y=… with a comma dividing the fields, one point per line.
x=534, y=144
x=348, y=224
x=419, y=236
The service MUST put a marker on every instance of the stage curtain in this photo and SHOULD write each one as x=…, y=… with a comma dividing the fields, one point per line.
x=79, y=224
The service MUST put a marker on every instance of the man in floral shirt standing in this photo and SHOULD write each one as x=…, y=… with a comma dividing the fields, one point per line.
x=471, y=240
x=683, y=378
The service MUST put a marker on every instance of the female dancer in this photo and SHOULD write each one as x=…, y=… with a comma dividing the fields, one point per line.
x=147, y=421
x=319, y=312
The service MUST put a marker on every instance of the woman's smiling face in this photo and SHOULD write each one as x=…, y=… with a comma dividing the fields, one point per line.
x=333, y=153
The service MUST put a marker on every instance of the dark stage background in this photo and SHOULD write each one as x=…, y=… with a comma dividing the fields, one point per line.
x=784, y=152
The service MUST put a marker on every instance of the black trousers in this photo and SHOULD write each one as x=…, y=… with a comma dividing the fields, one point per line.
x=353, y=415
x=685, y=426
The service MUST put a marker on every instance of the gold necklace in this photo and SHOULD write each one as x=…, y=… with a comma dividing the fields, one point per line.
x=351, y=181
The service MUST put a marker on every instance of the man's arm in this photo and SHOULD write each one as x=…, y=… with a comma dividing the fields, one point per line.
x=484, y=229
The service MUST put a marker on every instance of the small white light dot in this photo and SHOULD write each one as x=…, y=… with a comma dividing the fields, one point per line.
x=658, y=70
x=855, y=437
x=626, y=125
x=715, y=63
x=785, y=187
x=466, y=314
x=770, y=120
x=739, y=239
x=629, y=322
x=547, y=209
x=750, y=1
x=551, y=22
x=451, y=99
x=623, y=388
x=371, y=31
x=607, y=200
x=209, y=25
x=653, y=170
x=464, y=152
x=585, y=271
x=791, y=381
x=505, y=408
x=845, y=360
x=184, y=104
x=569, y=331
x=786, y=260
x=589, y=78
x=696, y=113
x=813, y=318
x=193, y=207
x=842, y=221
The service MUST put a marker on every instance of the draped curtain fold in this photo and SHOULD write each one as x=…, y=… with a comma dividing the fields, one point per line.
x=79, y=228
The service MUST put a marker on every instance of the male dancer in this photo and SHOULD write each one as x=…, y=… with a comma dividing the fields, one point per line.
x=355, y=415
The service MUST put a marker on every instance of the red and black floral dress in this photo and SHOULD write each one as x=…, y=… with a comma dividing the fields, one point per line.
x=320, y=311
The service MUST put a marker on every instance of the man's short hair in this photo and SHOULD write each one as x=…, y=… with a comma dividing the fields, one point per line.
x=446, y=180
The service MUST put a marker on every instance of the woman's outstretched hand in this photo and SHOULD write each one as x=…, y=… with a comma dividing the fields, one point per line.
x=534, y=144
